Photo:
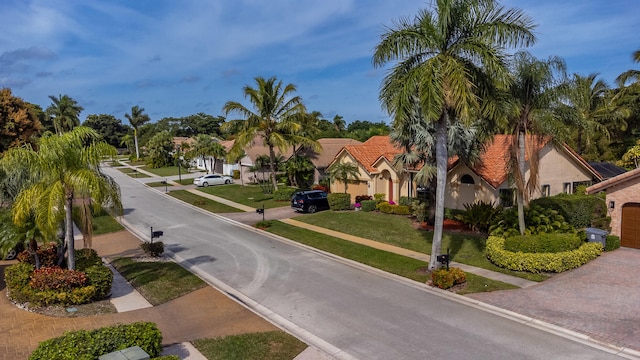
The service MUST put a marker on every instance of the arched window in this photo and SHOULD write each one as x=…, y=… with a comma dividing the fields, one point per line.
x=467, y=179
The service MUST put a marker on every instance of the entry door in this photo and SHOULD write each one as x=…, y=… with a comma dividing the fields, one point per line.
x=630, y=235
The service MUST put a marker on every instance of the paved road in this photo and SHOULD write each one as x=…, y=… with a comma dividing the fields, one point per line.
x=344, y=309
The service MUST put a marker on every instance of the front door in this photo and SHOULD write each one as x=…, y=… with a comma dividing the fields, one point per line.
x=630, y=234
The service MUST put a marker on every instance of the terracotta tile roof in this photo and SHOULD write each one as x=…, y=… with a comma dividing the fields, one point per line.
x=371, y=150
x=330, y=147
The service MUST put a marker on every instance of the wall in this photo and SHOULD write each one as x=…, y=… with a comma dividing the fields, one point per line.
x=626, y=192
x=556, y=168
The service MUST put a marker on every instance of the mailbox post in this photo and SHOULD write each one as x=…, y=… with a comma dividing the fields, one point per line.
x=444, y=259
x=261, y=211
x=155, y=234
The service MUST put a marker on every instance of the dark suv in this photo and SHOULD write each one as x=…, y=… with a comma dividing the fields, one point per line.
x=310, y=201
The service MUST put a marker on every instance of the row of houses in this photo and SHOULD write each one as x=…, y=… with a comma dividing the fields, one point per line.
x=561, y=170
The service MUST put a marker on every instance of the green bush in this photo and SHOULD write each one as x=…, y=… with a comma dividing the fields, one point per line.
x=612, y=243
x=420, y=210
x=543, y=243
x=378, y=197
x=17, y=278
x=578, y=210
x=55, y=278
x=478, y=216
x=89, y=345
x=86, y=258
x=263, y=224
x=153, y=249
x=544, y=262
x=101, y=278
x=283, y=194
x=48, y=255
x=387, y=208
x=405, y=201
x=445, y=279
x=367, y=205
x=339, y=201
x=537, y=220
x=236, y=174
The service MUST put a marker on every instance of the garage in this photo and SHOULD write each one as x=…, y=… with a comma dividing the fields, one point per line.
x=630, y=234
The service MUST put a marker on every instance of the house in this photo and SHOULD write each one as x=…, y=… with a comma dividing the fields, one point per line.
x=183, y=144
x=623, y=205
x=561, y=170
x=322, y=159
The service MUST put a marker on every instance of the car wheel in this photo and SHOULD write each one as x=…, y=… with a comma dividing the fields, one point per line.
x=205, y=184
x=227, y=181
x=312, y=209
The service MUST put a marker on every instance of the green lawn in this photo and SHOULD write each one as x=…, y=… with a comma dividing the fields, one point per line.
x=126, y=170
x=272, y=345
x=158, y=184
x=138, y=175
x=165, y=171
x=188, y=181
x=250, y=195
x=158, y=282
x=202, y=202
x=397, y=264
x=105, y=224
x=398, y=230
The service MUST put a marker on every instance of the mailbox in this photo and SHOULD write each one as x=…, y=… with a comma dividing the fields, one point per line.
x=156, y=234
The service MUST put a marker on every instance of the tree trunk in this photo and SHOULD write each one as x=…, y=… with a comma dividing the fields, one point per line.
x=441, y=175
x=204, y=161
x=33, y=248
x=135, y=139
x=272, y=167
x=521, y=188
x=71, y=257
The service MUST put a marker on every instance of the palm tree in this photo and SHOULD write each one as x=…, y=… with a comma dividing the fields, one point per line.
x=584, y=106
x=632, y=75
x=64, y=167
x=201, y=148
x=531, y=94
x=339, y=123
x=65, y=113
x=217, y=151
x=343, y=172
x=273, y=118
x=453, y=55
x=137, y=118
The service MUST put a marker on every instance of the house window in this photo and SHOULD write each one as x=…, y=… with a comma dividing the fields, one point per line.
x=467, y=179
x=546, y=190
x=506, y=197
x=566, y=188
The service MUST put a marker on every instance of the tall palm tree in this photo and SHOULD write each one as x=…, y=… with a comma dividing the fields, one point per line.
x=217, y=151
x=339, y=123
x=64, y=167
x=343, y=172
x=453, y=54
x=531, y=95
x=201, y=148
x=137, y=118
x=65, y=113
x=585, y=107
x=632, y=75
x=273, y=118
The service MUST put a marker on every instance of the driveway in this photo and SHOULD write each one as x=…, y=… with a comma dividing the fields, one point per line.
x=600, y=299
x=250, y=218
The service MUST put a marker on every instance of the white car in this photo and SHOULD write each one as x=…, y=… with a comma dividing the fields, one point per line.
x=212, y=179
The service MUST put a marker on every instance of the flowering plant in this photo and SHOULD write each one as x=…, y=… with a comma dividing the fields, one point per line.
x=356, y=205
x=391, y=202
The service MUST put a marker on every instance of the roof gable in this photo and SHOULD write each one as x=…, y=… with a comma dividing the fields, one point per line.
x=617, y=180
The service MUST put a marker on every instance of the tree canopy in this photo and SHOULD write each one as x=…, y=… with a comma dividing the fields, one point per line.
x=20, y=123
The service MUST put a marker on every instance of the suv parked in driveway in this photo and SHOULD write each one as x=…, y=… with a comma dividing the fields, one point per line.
x=310, y=201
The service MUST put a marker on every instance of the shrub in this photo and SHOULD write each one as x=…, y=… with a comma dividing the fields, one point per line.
x=17, y=278
x=544, y=262
x=389, y=208
x=101, y=278
x=236, y=174
x=405, y=201
x=579, y=210
x=420, y=210
x=153, y=249
x=537, y=219
x=55, y=278
x=543, y=243
x=478, y=216
x=446, y=278
x=360, y=198
x=48, y=255
x=283, y=194
x=339, y=201
x=263, y=224
x=368, y=205
x=612, y=243
x=378, y=197
x=92, y=344
x=86, y=258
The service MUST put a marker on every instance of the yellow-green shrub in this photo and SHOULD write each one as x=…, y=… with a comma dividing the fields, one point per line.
x=445, y=279
x=540, y=262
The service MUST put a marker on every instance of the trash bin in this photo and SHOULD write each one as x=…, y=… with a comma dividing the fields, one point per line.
x=597, y=235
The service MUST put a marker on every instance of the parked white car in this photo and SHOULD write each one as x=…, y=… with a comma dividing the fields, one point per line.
x=212, y=179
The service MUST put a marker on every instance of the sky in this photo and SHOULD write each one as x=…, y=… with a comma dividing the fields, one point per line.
x=177, y=58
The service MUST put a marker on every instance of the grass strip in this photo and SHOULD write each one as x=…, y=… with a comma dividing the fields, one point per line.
x=249, y=195
x=202, y=202
x=158, y=184
x=398, y=230
x=271, y=345
x=105, y=224
x=393, y=263
x=158, y=282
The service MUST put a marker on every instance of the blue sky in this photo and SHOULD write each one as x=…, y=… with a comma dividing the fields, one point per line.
x=177, y=58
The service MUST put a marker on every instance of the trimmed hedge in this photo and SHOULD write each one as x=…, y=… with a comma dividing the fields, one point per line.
x=86, y=258
x=283, y=194
x=543, y=243
x=612, y=243
x=368, y=205
x=339, y=201
x=154, y=249
x=578, y=210
x=387, y=208
x=543, y=262
x=89, y=345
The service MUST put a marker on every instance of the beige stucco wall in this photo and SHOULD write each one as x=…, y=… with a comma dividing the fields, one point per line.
x=355, y=187
x=458, y=194
x=556, y=168
x=621, y=194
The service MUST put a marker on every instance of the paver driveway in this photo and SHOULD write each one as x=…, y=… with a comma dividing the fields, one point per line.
x=600, y=299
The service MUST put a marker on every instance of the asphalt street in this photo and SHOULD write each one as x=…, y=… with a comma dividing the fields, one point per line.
x=347, y=310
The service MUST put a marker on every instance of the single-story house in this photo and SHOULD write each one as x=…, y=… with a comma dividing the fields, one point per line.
x=561, y=170
x=322, y=159
x=623, y=205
